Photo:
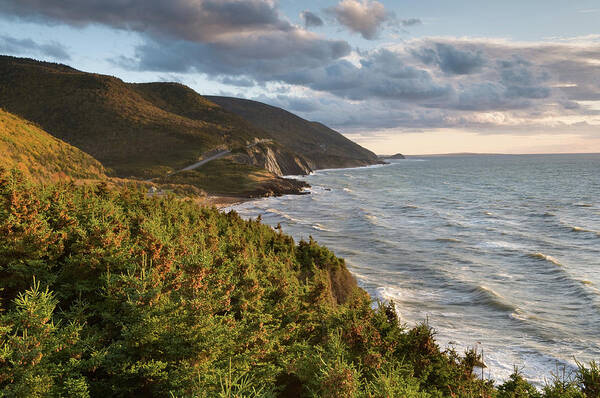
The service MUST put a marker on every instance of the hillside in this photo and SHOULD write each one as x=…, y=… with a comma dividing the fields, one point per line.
x=152, y=129
x=321, y=146
x=41, y=156
x=136, y=130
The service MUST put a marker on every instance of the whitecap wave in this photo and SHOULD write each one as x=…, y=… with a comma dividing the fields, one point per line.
x=448, y=240
x=545, y=257
x=283, y=215
x=500, y=245
x=494, y=299
x=320, y=227
x=584, y=230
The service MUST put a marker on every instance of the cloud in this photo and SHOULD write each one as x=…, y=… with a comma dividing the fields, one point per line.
x=11, y=45
x=263, y=57
x=462, y=77
x=381, y=74
x=521, y=88
x=311, y=19
x=450, y=59
x=411, y=22
x=361, y=16
x=234, y=33
x=239, y=82
x=195, y=20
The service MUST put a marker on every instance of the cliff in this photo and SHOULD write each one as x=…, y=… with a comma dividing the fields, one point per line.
x=272, y=157
x=320, y=146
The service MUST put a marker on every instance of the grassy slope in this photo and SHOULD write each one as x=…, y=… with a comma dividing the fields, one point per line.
x=41, y=156
x=320, y=145
x=225, y=177
x=134, y=129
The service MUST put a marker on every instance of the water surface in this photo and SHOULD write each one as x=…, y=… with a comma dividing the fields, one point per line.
x=497, y=252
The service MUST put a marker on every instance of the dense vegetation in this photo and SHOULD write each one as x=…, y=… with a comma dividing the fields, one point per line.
x=41, y=156
x=114, y=293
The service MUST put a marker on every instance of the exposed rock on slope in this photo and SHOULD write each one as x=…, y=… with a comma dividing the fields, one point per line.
x=274, y=158
x=321, y=146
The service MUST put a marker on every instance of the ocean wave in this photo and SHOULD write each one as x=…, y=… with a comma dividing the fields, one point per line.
x=584, y=230
x=500, y=245
x=482, y=295
x=448, y=240
x=583, y=204
x=519, y=315
x=546, y=214
x=456, y=224
x=491, y=298
x=283, y=215
x=565, y=281
x=344, y=170
x=409, y=206
x=347, y=190
x=490, y=214
x=320, y=227
x=545, y=257
x=589, y=285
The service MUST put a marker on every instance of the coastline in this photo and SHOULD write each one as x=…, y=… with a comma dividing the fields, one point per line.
x=303, y=217
x=228, y=201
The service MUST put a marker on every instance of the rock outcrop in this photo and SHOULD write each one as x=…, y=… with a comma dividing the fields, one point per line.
x=274, y=158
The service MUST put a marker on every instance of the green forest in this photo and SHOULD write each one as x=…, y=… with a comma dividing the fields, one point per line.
x=109, y=292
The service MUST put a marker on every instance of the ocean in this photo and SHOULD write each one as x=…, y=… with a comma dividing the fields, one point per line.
x=497, y=252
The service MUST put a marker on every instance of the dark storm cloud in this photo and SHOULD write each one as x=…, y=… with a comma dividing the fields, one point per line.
x=311, y=19
x=28, y=47
x=522, y=80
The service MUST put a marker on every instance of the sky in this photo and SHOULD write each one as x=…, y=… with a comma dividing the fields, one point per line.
x=395, y=76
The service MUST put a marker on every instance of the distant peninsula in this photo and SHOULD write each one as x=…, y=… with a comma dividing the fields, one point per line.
x=393, y=157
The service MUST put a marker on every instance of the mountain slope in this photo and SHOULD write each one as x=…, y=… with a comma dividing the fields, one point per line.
x=251, y=146
x=41, y=156
x=123, y=125
x=153, y=129
x=321, y=146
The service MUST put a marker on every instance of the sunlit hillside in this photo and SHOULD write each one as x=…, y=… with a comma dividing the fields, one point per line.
x=25, y=146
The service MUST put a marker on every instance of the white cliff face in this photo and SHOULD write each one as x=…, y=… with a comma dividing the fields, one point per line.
x=271, y=162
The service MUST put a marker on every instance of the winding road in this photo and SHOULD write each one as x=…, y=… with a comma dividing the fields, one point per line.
x=217, y=155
